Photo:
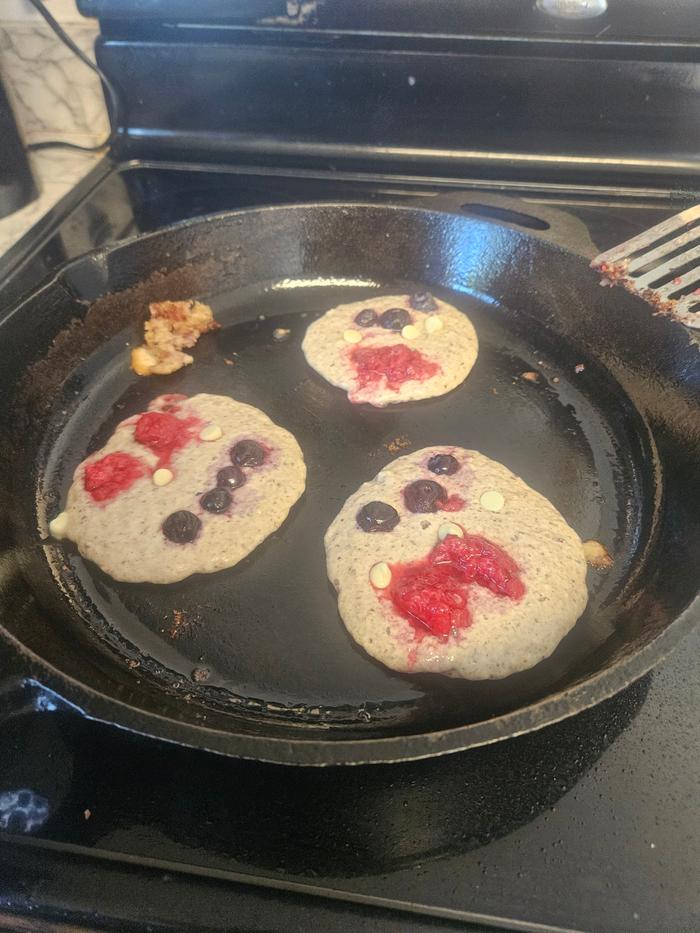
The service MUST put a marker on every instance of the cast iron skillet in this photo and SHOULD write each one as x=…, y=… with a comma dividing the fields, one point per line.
x=614, y=446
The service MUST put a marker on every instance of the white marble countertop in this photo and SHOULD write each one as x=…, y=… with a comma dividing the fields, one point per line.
x=56, y=171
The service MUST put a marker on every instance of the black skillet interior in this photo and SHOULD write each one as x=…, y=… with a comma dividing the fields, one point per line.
x=268, y=630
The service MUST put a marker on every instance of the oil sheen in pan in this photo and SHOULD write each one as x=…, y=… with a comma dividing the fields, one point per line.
x=266, y=634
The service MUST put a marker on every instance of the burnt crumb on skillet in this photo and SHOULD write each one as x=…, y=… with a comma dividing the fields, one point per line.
x=182, y=624
x=105, y=318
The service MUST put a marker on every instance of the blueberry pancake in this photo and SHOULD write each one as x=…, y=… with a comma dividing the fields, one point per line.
x=193, y=485
x=398, y=348
x=447, y=562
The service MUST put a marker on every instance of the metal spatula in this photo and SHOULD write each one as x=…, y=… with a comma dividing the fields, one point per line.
x=661, y=265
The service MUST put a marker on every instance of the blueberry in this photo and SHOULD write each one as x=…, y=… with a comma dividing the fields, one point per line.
x=230, y=477
x=248, y=453
x=377, y=516
x=443, y=463
x=395, y=319
x=216, y=500
x=366, y=318
x=423, y=301
x=181, y=527
x=424, y=495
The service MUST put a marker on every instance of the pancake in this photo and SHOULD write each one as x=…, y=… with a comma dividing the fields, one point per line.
x=495, y=596
x=153, y=505
x=434, y=348
x=172, y=327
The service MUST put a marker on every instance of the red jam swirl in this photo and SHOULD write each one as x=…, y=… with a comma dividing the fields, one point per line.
x=170, y=402
x=164, y=434
x=432, y=593
x=396, y=364
x=114, y=473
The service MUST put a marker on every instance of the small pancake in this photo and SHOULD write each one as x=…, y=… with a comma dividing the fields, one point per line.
x=505, y=635
x=123, y=533
x=445, y=340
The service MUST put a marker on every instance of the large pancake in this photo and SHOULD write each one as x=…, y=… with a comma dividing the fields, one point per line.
x=452, y=347
x=124, y=534
x=505, y=635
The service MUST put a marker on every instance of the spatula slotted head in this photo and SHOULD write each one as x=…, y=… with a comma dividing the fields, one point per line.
x=661, y=265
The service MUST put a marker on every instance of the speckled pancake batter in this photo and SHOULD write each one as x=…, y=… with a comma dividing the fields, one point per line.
x=191, y=486
x=435, y=347
x=516, y=571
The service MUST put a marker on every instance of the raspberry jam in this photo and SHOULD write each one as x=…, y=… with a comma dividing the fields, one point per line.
x=432, y=593
x=170, y=402
x=454, y=503
x=112, y=474
x=163, y=433
x=396, y=364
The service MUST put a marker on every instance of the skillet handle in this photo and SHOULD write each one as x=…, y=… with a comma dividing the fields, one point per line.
x=547, y=223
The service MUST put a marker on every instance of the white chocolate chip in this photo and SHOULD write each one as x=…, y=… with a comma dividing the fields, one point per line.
x=492, y=500
x=212, y=432
x=410, y=332
x=433, y=324
x=449, y=528
x=162, y=477
x=59, y=526
x=596, y=555
x=281, y=333
x=380, y=575
x=352, y=336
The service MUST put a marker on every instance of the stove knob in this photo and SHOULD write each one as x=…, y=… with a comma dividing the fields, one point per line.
x=573, y=9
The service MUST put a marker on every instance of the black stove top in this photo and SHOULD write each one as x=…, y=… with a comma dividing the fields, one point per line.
x=588, y=825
